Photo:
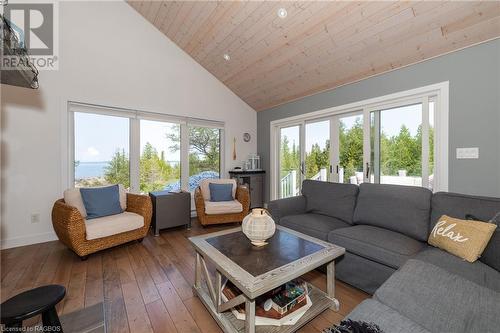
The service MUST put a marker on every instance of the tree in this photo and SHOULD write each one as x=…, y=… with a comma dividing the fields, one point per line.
x=403, y=153
x=204, y=150
x=351, y=148
x=117, y=170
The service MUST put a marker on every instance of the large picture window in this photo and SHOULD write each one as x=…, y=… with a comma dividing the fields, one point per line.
x=143, y=151
x=101, y=150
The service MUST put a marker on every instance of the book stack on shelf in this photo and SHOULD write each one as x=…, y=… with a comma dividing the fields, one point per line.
x=284, y=305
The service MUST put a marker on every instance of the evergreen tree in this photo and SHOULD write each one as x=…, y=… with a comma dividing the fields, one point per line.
x=117, y=171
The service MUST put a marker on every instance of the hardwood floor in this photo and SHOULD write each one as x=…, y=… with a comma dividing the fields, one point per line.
x=145, y=287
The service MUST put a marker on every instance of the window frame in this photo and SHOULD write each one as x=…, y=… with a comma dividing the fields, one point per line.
x=438, y=93
x=135, y=116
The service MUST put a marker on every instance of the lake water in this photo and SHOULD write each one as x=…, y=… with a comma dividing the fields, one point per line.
x=90, y=169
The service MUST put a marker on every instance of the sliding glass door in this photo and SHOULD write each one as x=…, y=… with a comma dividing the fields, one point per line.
x=402, y=145
x=348, y=150
x=290, y=161
x=328, y=149
x=384, y=143
x=317, y=150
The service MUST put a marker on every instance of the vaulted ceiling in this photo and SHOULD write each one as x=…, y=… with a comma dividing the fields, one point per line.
x=320, y=44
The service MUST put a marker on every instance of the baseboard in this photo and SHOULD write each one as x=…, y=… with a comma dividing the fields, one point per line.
x=27, y=240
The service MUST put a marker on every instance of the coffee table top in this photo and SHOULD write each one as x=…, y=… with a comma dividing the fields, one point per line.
x=256, y=270
x=283, y=248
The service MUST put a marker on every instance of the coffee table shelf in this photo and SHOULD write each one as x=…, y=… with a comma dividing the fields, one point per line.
x=229, y=324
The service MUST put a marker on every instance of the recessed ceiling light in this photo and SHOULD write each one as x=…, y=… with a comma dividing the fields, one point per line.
x=282, y=13
x=226, y=57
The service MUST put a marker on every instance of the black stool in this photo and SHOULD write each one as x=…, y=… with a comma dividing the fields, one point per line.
x=31, y=303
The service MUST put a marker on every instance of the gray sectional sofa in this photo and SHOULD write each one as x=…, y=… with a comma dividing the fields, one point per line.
x=384, y=229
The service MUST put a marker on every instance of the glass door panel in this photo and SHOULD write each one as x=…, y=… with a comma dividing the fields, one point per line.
x=289, y=162
x=350, y=159
x=432, y=106
x=396, y=145
x=317, y=150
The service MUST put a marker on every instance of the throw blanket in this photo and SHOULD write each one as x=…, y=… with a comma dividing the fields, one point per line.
x=352, y=326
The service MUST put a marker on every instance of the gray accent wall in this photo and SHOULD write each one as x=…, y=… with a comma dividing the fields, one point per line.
x=474, y=114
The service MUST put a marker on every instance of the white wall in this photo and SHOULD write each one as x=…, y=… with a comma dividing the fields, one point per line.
x=109, y=55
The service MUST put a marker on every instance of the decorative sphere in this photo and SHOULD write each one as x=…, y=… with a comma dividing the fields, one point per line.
x=258, y=226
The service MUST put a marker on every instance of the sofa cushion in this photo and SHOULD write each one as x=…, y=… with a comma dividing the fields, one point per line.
x=223, y=207
x=101, y=201
x=315, y=225
x=381, y=245
x=460, y=205
x=405, y=209
x=477, y=271
x=205, y=186
x=388, y=319
x=331, y=199
x=112, y=225
x=440, y=301
x=73, y=198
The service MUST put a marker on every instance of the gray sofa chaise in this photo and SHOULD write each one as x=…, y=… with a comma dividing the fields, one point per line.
x=384, y=229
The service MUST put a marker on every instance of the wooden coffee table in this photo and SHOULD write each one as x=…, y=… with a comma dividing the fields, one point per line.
x=257, y=270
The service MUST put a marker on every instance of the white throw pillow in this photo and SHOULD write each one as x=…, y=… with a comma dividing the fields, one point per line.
x=73, y=198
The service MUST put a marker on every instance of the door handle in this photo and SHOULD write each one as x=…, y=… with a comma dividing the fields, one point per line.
x=367, y=170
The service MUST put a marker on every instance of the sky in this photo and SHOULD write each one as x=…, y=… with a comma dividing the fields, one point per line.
x=391, y=121
x=98, y=137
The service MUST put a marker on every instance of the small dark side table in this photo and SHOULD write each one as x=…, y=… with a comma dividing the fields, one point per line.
x=170, y=209
x=31, y=303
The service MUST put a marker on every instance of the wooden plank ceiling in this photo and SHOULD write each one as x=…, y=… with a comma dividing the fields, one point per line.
x=320, y=44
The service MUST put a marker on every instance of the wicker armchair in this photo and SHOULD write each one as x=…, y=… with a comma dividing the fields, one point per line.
x=242, y=195
x=69, y=226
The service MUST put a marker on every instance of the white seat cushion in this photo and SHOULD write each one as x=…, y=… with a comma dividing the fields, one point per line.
x=223, y=207
x=112, y=225
x=73, y=197
x=205, y=186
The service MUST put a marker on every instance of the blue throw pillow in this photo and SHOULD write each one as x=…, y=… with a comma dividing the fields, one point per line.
x=221, y=192
x=101, y=201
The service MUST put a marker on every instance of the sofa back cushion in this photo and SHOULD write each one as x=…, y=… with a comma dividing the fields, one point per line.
x=405, y=209
x=330, y=199
x=482, y=208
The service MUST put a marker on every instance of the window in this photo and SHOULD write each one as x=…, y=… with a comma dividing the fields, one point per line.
x=160, y=160
x=142, y=150
x=101, y=150
x=399, y=139
x=204, y=155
